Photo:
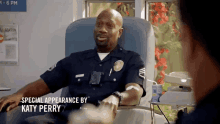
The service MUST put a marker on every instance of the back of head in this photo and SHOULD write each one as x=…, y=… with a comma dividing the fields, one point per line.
x=200, y=17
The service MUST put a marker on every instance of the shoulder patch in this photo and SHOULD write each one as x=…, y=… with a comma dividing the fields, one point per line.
x=142, y=72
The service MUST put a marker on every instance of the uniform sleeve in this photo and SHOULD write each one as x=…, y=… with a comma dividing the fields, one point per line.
x=55, y=77
x=136, y=72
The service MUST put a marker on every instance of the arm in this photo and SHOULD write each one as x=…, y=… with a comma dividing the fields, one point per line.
x=35, y=89
x=132, y=96
x=51, y=81
x=109, y=106
x=134, y=76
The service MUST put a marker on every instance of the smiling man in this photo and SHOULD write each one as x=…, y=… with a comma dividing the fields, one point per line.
x=106, y=75
x=107, y=30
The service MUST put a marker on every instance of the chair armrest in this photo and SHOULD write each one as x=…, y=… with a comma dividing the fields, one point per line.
x=139, y=107
x=16, y=115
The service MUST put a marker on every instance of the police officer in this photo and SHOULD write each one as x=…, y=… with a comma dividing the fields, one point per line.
x=107, y=74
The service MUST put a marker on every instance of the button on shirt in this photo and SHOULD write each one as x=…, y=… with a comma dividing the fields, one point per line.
x=75, y=72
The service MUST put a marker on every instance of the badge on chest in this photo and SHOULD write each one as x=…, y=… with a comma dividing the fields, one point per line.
x=118, y=65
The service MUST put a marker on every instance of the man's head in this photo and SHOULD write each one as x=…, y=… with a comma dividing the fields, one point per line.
x=108, y=29
x=199, y=42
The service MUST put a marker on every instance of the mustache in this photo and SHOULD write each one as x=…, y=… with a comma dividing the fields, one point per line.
x=101, y=35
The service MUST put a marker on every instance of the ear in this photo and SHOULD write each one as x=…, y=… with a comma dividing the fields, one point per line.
x=120, y=32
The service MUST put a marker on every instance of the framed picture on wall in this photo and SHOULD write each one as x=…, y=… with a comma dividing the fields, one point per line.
x=9, y=44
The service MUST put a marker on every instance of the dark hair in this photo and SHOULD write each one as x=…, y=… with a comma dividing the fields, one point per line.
x=202, y=19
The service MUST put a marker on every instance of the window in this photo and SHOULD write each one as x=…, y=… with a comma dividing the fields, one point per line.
x=124, y=8
x=164, y=19
x=168, y=53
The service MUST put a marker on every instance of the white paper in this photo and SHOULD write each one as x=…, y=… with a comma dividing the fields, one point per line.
x=9, y=46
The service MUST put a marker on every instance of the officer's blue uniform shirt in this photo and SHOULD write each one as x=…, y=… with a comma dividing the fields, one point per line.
x=207, y=111
x=75, y=71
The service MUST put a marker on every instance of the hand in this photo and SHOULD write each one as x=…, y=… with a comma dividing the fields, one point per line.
x=13, y=101
x=90, y=114
x=111, y=102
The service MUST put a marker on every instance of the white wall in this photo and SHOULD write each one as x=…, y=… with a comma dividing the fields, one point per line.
x=41, y=39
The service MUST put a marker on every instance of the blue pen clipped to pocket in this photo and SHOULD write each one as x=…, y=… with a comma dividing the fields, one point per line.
x=156, y=92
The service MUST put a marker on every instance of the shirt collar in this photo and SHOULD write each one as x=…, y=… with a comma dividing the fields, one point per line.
x=117, y=52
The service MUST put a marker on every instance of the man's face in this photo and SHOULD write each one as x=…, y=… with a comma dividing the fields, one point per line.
x=107, y=31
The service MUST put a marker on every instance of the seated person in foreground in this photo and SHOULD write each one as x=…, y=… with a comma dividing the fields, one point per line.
x=107, y=74
x=202, y=61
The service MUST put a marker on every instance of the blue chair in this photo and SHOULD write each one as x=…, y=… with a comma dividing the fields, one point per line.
x=138, y=36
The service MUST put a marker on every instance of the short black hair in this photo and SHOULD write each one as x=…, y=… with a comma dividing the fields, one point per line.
x=202, y=18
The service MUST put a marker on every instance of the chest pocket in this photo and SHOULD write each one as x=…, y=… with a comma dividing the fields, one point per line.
x=114, y=77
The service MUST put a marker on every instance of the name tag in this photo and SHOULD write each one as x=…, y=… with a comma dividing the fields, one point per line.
x=79, y=75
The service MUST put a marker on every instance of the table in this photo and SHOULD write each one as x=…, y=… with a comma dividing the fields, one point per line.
x=4, y=89
x=173, y=104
